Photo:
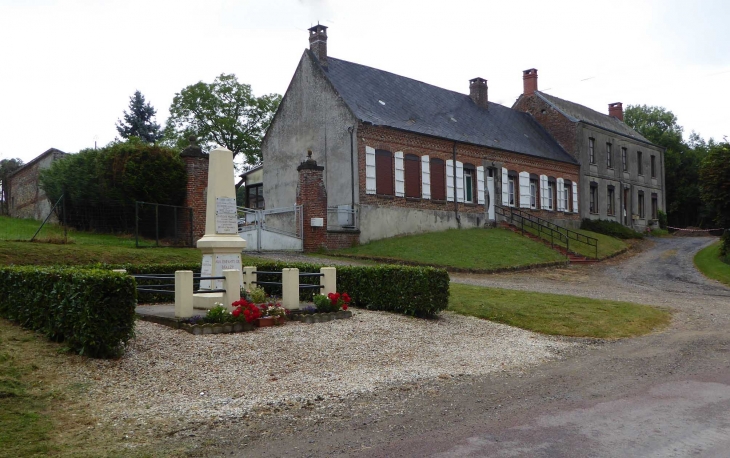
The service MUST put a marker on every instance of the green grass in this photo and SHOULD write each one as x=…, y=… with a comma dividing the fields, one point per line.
x=607, y=245
x=14, y=229
x=476, y=249
x=709, y=263
x=555, y=314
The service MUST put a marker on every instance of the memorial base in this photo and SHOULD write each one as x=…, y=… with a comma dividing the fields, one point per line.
x=206, y=301
x=220, y=252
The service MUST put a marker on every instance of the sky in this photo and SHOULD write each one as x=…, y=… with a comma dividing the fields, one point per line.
x=69, y=67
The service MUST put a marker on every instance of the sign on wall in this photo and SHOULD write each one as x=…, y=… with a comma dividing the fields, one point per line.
x=226, y=217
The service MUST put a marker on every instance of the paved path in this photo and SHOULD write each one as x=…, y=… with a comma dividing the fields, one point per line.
x=665, y=394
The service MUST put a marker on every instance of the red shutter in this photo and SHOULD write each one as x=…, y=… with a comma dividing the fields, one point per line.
x=413, y=175
x=438, y=180
x=383, y=172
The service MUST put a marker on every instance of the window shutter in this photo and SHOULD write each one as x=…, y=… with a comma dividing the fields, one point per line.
x=524, y=190
x=505, y=188
x=369, y=170
x=459, y=181
x=480, y=185
x=450, y=180
x=425, y=177
x=400, y=179
x=561, y=191
x=575, y=197
x=544, y=192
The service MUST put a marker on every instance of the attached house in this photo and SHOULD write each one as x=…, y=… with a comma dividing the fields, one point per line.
x=27, y=199
x=622, y=173
x=411, y=157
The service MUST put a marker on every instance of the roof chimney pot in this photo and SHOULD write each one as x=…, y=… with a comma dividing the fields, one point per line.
x=616, y=110
x=529, y=81
x=478, y=91
x=318, y=43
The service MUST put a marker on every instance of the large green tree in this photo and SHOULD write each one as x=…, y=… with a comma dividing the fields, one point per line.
x=7, y=166
x=681, y=161
x=715, y=182
x=224, y=112
x=139, y=120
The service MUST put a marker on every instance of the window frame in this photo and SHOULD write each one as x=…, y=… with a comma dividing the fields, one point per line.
x=593, y=201
x=610, y=200
x=624, y=159
x=640, y=162
x=412, y=159
x=437, y=193
x=383, y=156
x=533, y=193
x=258, y=195
x=551, y=186
x=471, y=172
x=591, y=150
x=511, y=199
x=653, y=166
x=609, y=155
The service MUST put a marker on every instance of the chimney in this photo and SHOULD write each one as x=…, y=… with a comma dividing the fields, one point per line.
x=318, y=43
x=478, y=92
x=616, y=110
x=529, y=81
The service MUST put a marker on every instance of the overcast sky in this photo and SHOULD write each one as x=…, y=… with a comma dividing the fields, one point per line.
x=69, y=67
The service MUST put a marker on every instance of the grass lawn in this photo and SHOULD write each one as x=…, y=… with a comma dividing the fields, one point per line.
x=709, y=263
x=607, y=245
x=478, y=249
x=557, y=314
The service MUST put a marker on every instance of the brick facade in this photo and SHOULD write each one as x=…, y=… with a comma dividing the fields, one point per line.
x=563, y=130
x=26, y=198
x=196, y=168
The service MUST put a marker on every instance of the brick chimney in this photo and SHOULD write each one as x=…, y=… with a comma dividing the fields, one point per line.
x=529, y=81
x=478, y=92
x=616, y=110
x=318, y=43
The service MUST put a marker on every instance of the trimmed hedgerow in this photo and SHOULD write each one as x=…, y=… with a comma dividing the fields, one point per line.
x=612, y=228
x=170, y=268
x=90, y=310
x=417, y=291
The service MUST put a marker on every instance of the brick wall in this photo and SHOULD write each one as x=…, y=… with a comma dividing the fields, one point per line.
x=27, y=199
x=196, y=168
x=561, y=128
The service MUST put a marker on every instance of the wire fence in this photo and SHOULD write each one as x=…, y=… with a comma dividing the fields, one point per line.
x=140, y=224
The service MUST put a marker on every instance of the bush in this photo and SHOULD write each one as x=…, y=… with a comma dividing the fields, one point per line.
x=134, y=269
x=662, y=218
x=611, y=228
x=416, y=291
x=725, y=246
x=90, y=310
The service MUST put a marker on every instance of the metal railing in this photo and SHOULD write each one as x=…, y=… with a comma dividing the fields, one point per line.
x=197, y=278
x=342, y=217
x=281, y=284
x=522, y=219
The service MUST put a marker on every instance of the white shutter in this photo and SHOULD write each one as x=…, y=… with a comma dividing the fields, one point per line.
x=575, y=197
x=524, y=190
x=544, y=192
x=480, y=185
x=400, y=175
x=450, y=180
x=561, y=191
x=505, y=188
x=459, y=181
x=426, y=177
x=369, y=170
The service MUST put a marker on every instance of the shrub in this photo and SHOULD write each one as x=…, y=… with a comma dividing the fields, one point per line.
x=662, y=218
x=725, y=246
x=90, y=310
x=612, y=228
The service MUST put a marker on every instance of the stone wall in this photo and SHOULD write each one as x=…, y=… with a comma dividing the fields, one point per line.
x=196, y=167
x=27, y=199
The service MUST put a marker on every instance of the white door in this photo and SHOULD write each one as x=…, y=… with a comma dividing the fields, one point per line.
x=490, y=198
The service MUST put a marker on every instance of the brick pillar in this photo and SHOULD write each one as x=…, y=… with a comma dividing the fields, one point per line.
x=312, y=196
x=196, y=168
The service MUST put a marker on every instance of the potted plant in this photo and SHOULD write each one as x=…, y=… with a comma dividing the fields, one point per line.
x=275, y=311
x=332, y=304
x=245, y=312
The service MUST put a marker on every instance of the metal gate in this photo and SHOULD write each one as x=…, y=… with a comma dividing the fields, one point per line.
x=276, y=229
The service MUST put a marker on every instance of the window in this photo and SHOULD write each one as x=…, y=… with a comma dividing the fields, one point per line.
x=591, y=151
x=641, y=205
x=654, y=206
x=611, y=202
x=469, y=183
x=624, y=160
x=551, y=191
x=255, y=196
x=533, y=193
x=609, y=156
x=438, y=179
x=566, y=197
x=383, y=172
x=413, y=175
x=639, y=160
x=511, y=191
x=594, y=198
x=653, y=166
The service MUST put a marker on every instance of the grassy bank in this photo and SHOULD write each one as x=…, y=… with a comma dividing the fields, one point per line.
x=557, y=314
x=607, y=245
x=708, y=262
x=478, y=249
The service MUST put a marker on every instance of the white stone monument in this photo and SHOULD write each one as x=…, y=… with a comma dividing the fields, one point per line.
x=221, y=245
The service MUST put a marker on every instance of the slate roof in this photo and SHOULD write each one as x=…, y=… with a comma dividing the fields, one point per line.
x=579, y=113
x=386, y=99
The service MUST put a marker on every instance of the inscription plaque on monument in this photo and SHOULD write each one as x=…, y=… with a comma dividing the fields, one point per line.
x=226, y=217
x=206, y=270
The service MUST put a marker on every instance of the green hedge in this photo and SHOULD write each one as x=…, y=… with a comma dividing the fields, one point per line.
x=91, y=310
x=417, y=291
x=612, y=228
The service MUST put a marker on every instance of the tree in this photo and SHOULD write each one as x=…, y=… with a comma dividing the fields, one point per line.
x=7, y=166
x=138, y=121
x=715, y=182
x=681, y=161
x=224, y=112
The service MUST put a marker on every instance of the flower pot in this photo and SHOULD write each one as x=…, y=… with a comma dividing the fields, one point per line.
x=280, y=320
x=266, y=321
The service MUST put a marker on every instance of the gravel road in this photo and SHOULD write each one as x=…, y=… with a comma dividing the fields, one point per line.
x=665, y=394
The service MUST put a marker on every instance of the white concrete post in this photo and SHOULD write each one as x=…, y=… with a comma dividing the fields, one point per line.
x=232, y=287
x=329, y=281
x=249, y=277
x=290, y=289
x=183, y=293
